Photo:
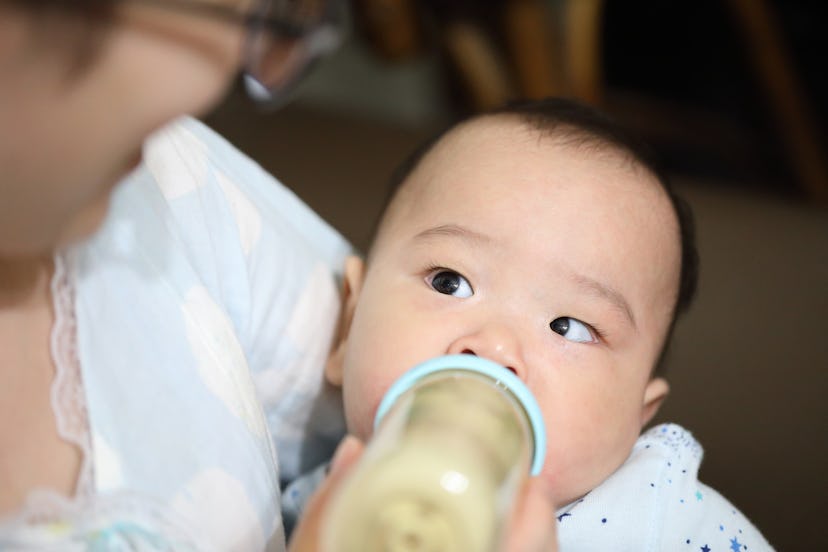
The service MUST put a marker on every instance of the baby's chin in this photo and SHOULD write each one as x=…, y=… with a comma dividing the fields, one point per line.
x=563, y=490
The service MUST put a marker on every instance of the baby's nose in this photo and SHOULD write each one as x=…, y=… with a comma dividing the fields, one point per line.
x=494, y=343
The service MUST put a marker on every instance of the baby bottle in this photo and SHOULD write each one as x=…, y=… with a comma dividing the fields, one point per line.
x=454, y=439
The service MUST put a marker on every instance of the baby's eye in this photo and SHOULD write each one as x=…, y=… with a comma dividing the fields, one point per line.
x=449, y=282
x=573, y=330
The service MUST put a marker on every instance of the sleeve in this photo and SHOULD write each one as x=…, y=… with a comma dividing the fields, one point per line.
x=273, y=265
x=655, y=501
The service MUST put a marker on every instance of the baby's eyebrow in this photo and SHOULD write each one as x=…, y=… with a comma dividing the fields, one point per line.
x=610, y=294
x=454, y=230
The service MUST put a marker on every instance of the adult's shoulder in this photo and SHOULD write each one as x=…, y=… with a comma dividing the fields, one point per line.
x=271, y=262
x=187, y=155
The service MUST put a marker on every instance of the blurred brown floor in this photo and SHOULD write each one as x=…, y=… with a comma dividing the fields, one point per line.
x=750, y=361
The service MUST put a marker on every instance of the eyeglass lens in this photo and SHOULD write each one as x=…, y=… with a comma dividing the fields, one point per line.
x=277, y=60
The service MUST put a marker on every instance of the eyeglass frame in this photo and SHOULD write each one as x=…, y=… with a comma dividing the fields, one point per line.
x=321, y=37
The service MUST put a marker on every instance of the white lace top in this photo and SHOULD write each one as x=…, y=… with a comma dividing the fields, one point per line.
x=189, y=341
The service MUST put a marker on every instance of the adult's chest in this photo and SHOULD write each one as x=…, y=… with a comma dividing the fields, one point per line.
x=173, y=413
x=32, y=453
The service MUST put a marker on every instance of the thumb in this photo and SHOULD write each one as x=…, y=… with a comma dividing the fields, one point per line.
x=307, y=535
x=532, y=527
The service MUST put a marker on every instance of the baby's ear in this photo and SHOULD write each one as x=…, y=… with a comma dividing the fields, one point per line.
x=351, y=286
x=654, y=395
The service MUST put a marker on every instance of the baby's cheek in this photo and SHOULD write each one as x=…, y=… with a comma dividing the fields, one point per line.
x=362, y=400
x=568, y=476
x=355, y=415
x=582, y=452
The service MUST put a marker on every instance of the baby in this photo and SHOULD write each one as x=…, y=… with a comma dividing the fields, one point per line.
x=541, y=237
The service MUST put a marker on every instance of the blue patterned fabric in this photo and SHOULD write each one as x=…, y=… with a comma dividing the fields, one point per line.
x=205, y=307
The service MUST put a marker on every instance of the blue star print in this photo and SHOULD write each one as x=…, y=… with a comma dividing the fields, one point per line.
x=693, y=517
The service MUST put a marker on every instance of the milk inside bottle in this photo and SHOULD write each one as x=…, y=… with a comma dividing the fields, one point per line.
x=454, y=439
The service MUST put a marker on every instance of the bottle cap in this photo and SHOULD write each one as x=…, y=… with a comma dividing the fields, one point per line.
x=470, y=363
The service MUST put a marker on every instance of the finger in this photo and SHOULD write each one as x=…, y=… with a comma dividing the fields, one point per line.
x=532, y=525
x=306, y=536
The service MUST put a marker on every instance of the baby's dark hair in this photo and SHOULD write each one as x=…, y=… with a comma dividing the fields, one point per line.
x=583, y=125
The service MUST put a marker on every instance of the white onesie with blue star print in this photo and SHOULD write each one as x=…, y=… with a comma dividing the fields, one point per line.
x=655, y=502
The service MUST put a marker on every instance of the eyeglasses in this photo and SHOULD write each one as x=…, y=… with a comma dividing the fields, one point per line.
x=283, y=40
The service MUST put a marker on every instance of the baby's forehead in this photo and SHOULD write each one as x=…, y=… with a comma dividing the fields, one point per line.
x=501, y=142
x=563, y=161
x=492, y=139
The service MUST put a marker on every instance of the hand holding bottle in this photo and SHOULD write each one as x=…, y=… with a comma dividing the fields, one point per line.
x=455, y=441
x=531, y=527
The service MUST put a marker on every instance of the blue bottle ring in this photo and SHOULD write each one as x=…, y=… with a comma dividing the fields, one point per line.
x=471, y=363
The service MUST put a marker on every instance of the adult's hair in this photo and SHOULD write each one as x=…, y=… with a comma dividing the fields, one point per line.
x=583, y=125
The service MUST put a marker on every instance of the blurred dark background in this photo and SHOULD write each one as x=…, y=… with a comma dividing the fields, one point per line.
x=696, y=60
x=732, y=96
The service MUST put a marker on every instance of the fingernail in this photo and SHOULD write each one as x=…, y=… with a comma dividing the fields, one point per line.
x=346, y=446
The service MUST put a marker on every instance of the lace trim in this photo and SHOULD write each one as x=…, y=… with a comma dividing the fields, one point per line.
x=67, y=393
x=50, y=521
x=43, y=505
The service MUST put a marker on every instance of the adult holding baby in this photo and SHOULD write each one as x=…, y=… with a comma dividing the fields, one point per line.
x=161, y=297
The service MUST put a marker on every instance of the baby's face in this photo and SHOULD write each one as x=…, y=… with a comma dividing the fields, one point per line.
x=557, y=261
